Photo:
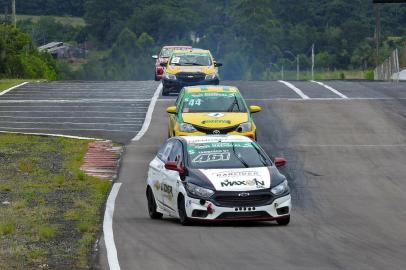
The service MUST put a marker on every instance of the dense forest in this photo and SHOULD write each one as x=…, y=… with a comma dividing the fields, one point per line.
x=251, y=37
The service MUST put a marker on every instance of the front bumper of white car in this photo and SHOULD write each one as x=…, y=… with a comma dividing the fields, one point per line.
x=200, y=209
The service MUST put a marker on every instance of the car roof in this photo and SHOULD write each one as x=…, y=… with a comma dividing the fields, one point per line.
x=178, y=46
x=211, y=88
x=215, y=138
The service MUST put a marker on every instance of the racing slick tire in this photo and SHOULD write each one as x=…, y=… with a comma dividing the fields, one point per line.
x=183, y=218
x=283, y=221
x=165, y=92
x=152, y=205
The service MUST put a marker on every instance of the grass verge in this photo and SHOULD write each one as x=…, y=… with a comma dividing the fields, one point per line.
x=7, y=83
x=49, y=209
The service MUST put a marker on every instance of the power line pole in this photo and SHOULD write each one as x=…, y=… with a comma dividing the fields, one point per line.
x=377, y=8
x=13, y=9
x=313, y=61
x=297, y=67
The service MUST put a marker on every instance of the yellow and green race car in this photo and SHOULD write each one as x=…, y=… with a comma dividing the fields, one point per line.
x=201, y=110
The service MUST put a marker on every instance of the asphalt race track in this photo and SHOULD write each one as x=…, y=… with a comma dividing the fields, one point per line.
x=110, y=110
x=346, y=167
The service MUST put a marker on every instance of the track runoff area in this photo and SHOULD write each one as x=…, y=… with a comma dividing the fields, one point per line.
x=345, y=142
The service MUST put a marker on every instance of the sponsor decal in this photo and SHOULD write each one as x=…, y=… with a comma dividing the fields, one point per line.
x=216, y=115
x=231, y=174
x=253, y=182
x=157, y=185
x=188, y=203
x=217, y=121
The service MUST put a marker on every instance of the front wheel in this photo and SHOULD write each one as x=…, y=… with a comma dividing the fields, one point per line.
x=283, y=221
x=165, y=92
x=183, y=218
x=152, y=205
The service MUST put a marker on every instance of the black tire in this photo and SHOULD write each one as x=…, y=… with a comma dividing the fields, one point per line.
x=283, y=221
x=152, y=205
x=183, y=218
x=165, y=92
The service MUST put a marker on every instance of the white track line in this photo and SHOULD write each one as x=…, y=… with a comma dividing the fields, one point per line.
x=11, y=88
x=68, y=123
x=106, y=100
x=108, y=216
x=73, y=117
x=294, y=88
x=108, y=228
x=108, y=112
x=52, y=135
x=148, y=117
x=331, y=89
x=72, y=129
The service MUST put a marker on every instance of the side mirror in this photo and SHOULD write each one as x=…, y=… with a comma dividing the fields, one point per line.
x=255, y=109
x=218, y=64
x=279, y=162
x=163, y=64
x=171, y=109
x=172, y=166
x=155, y=56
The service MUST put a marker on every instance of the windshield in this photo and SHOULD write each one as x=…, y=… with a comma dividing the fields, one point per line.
x=221, y=155
x=167, y=52
x=191, y=59
x=213, y=102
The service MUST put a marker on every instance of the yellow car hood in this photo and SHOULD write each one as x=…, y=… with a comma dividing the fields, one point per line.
x=215, y=120
x=204, y=69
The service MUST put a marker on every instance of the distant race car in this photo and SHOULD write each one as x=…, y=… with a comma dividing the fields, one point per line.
x=216, y=178
x=201, y=110
x=187, y=68
x=163, y=57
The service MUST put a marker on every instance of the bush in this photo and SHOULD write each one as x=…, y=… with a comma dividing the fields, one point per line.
x=20, y=59
x=369, y=75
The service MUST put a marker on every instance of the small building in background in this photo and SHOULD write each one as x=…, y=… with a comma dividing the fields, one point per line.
x=61, y=50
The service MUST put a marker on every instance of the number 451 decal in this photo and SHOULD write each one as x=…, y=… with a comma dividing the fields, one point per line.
x=212, y=157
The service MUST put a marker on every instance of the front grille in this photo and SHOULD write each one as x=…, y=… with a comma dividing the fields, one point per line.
x=216, y=131
x=243, y=215
x=232, y=199
x=190, y=77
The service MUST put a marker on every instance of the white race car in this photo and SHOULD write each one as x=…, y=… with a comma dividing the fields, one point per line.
x=215, y=178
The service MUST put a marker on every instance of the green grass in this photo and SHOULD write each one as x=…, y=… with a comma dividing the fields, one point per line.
x=52, y=214
x=68, y=20
x=318, y=75
x=7, y=83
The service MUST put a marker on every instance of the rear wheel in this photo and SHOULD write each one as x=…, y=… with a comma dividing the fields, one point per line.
x=283, y=221
x=152, y=205
x=183, y=218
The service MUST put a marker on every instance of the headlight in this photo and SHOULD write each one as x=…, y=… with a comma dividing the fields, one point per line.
x=185, y=127
x=199, y=191
x=169, y=76
x=281, y=188
x=244, y=127
x=211, y=76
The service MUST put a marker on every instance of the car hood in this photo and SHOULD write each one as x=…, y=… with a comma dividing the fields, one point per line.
x=193, y=69
x=215, y=119
x=241, y=179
